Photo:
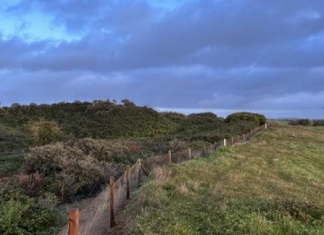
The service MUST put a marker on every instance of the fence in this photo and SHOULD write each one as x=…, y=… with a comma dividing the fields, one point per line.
x=102, y=213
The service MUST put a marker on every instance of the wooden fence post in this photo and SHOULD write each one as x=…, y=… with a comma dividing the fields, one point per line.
x=265, y=126
x=73, y=222
x=127, y=182
x=189, y=153
x=224, y=142
x=170, y=156
x=112, y=201
x=205, y=150
x=232, y=139
x=139, y=171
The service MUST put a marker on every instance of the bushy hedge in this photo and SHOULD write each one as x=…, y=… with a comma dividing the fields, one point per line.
x=246, y=116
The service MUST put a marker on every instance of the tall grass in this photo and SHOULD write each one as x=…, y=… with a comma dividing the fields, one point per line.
x=272, y=185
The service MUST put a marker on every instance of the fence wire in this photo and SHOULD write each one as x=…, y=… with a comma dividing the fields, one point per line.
x=95, y=217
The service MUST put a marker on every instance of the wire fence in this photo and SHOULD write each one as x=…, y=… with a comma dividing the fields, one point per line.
x=99, y=215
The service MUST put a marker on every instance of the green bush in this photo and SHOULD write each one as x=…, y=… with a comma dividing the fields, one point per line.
x=259, y=119
x=44, y=132
x=174, y=116
x=22, y=215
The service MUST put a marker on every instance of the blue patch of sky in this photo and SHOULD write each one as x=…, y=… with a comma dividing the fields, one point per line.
x=35, y=25
x=168, y=4
x=31, y=26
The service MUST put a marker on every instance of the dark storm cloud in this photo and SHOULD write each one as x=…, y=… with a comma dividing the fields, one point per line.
x=249, y=54
x=133, y=34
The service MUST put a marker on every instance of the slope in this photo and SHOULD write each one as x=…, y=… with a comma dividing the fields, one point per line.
x=273, y=184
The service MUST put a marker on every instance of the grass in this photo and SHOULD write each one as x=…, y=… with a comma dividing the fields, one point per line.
x=272, y=185
x=10, y=165
x=12, y=143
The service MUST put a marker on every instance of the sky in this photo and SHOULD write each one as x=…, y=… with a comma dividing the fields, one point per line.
x=189, y=56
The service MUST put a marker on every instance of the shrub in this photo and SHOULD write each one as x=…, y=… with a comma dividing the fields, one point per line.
x=199, y=123
x=23, y=215
x=177, y=145
x=301, y=122
x=173, y=116
x=76, y=168
x=44, y=132
x=68, y=171
x=318, y=122
x=31, y=184
x=259, y=119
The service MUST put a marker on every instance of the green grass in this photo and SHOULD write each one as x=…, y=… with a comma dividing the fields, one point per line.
x=272, y=185
x=12, y=143
x=10, y=165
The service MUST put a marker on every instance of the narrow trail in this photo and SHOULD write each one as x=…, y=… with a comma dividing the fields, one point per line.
x=94, y=218
x=94, y=214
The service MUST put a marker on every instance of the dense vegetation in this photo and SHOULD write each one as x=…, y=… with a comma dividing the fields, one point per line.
x=271, y=185
x=53, y=154
x=306, y=122
x=99, y=119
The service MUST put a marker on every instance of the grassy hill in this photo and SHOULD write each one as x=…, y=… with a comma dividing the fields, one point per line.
x=97, y=119
x=60, y=153
x=273, y=184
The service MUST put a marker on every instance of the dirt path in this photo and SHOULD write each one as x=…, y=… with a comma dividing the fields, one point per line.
x=94, y=218
x=94, y=215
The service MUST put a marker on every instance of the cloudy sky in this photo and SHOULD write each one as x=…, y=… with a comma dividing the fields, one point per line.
x=185, y=55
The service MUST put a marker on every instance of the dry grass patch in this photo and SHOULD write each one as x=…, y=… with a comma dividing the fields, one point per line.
x=161, y=174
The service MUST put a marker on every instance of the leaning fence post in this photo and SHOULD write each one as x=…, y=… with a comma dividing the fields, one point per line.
x=224, y=142
x=189, y=153
x=74, y=222
x=112, y=201
x=139, y=171
x=170, y=157
x=127, y=182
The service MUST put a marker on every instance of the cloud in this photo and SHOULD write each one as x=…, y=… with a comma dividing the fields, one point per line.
x=134, y=35
x=252, y=54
